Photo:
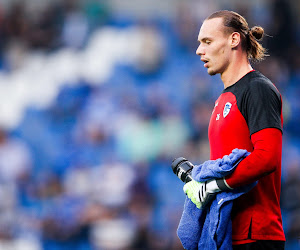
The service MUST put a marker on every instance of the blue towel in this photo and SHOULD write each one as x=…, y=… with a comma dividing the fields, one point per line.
x=210, y=228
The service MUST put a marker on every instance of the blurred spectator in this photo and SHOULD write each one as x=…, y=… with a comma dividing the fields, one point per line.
x=15, y=34
x=45, y=28
x=16, y=23
x=186, y=26
x=15, y=170
x=282, y=31
x=150, y=55
x=15, y=158
x=75, y=25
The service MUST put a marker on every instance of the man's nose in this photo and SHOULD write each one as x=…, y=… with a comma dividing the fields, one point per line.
x=200, y=51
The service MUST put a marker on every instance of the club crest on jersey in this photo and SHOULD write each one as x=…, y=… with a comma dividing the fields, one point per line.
x=227, y=109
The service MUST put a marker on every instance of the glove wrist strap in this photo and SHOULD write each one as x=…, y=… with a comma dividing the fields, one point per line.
x=223, y=186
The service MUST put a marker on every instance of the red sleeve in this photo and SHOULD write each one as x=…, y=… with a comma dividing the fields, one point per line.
x=264, y=159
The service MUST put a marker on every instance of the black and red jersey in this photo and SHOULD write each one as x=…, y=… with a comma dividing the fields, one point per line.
x=248, y=115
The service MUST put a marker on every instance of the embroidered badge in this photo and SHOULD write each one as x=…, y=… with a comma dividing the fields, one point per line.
x=227, y=109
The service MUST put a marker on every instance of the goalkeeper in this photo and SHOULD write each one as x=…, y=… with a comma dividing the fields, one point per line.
x=247, y=115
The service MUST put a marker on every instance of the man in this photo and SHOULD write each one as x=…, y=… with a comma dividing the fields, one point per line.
x=247, y=115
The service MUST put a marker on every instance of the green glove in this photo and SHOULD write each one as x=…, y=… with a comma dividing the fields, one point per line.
x=201, y=193
x=192, y=189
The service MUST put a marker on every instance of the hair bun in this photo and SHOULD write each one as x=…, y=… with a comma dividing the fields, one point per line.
x=257, y=32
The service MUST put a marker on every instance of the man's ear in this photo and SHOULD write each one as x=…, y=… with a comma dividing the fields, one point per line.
x=235, y=39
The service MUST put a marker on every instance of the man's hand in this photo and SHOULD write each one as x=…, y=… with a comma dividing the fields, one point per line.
x=207, y=192
x=201, y=193
x=192, y=189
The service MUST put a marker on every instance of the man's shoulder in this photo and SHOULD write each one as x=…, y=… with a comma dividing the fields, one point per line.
x=258, y=82
x=253, y=83
x=256, y=77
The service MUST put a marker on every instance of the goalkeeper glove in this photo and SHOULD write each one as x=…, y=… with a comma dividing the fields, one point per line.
x=201, y=193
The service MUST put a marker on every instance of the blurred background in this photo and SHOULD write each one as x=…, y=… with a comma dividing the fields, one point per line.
x=98, y=97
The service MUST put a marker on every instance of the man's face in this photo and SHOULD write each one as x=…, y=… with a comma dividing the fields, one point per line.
x=214, y=47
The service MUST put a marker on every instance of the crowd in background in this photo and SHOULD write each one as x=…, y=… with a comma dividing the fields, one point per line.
x=92, y=169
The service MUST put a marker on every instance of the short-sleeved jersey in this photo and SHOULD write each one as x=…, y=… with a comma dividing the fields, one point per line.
x=250, y=105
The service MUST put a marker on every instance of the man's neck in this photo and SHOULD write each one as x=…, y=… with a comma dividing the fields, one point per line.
x=235, y=71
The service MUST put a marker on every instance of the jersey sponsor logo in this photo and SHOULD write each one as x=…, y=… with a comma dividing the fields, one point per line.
x=218, y=117
x=227, y=109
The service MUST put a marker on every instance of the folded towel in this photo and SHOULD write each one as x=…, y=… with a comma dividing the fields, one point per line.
x=210, y=228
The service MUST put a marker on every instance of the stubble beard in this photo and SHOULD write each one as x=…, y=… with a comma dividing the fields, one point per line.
x=211, y=72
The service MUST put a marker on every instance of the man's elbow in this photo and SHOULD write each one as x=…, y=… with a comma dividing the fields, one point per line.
x=271, y=164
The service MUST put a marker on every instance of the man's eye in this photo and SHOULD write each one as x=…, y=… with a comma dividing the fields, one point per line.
x=208, y=42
